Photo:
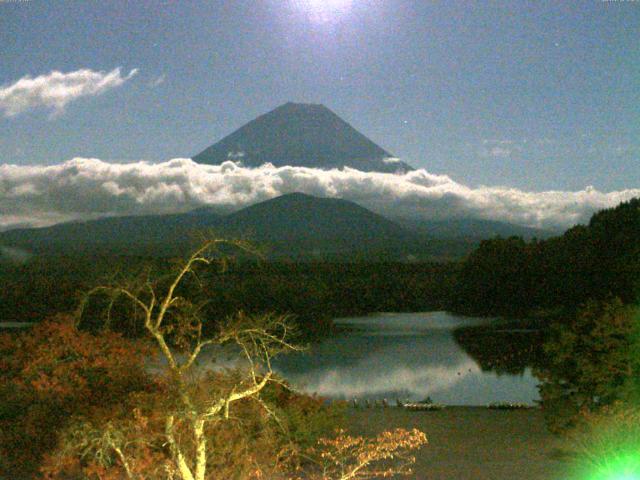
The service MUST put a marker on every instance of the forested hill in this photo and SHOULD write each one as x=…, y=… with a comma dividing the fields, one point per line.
x=508, y=276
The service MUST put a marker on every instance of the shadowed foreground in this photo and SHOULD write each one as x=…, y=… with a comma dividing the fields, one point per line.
x=472, y=443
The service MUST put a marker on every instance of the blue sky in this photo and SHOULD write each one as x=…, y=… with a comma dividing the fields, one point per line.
x=536, y=96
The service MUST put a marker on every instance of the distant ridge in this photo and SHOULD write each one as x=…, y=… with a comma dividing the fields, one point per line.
x=301, y=134
x=294, y=225
x=473, y=229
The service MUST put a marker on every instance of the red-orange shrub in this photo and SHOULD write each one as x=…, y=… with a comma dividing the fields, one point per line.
x=52, y=372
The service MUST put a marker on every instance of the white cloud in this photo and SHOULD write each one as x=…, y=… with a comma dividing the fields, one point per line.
x=497, y=148
x=390, y=160
x=156, y=82
x=492, y=141
x=56, y=89
x=500, y=152
x=85, y=188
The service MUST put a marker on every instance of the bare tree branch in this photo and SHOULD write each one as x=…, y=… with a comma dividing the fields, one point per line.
x=259, y=338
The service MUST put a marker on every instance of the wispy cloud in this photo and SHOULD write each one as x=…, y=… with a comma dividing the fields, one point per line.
x=500, y=152
x=156, y=82
x=497, y=148
x=56, y=89
x=85, y=188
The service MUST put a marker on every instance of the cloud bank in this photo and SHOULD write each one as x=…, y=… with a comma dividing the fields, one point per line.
x=85, y=188
x=56, y=89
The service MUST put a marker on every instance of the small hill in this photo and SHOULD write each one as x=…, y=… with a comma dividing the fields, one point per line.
x=300, y=134
x=303, y=223
x=598, y=261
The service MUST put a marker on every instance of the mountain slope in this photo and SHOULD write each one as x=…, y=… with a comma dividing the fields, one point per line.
x=135, y=235
x=300, y=222
x=300, y=134
x=294, y=225
x=472, y=229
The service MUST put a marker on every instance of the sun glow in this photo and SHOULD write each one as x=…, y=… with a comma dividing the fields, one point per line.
x=324, y=11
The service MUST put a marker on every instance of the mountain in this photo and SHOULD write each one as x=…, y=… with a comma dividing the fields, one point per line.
x=300, y=134
x=304, y=223
x=293, y=225
x=473, y=229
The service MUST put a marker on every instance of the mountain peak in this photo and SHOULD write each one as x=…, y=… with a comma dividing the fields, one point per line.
x=301, y=134
x=302, y=105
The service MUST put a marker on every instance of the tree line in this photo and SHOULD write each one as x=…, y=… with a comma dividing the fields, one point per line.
x=593, y=262
x=502, y=277
x=313, y=292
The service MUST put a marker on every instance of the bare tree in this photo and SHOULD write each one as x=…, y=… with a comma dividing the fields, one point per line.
x=176, y=438
x=174, y=324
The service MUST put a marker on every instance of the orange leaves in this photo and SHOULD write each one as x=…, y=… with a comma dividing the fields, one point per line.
x=52, y=372
x=57, y=359
x=347, y=457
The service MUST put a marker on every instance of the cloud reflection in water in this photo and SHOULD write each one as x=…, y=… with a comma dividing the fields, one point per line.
x=402, y=355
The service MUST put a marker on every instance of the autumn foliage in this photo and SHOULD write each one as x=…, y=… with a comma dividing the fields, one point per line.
x=347, y=457
x=52, y=372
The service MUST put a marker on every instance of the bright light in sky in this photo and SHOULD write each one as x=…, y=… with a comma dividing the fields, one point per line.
x=324, y=11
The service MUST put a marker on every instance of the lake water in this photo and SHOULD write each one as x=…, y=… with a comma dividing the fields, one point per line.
x=13, y=325
x=408, y=356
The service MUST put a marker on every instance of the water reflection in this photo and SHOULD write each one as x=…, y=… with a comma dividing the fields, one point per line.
x=503, y=351
x=406, y=356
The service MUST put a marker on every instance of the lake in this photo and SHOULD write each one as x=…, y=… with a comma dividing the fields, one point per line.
x=412, y=356
x=407, y=356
